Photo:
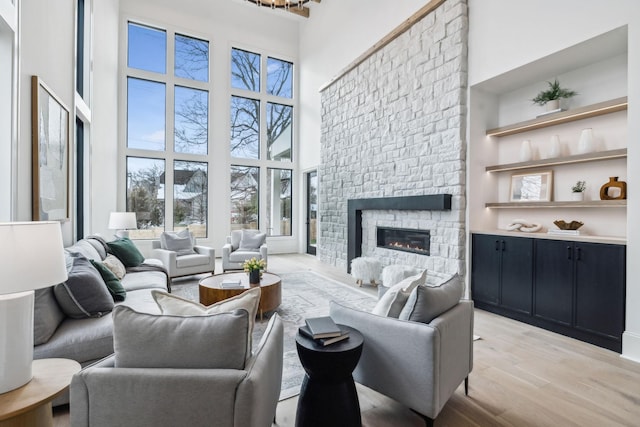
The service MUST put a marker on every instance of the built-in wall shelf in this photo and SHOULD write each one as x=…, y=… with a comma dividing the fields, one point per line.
x=577, y=158
x=599, y=109
x=559, y=204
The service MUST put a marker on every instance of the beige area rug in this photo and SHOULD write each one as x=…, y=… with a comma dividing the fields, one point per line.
x=304, y=294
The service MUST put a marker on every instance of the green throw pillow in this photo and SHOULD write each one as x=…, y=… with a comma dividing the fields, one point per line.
x=126, y=251
x=113, y=284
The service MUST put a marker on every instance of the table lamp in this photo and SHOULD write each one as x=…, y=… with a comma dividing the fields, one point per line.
x=31, y=257
x=122, y=222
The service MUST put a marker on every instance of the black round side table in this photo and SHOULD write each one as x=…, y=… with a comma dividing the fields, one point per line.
x=328, y=394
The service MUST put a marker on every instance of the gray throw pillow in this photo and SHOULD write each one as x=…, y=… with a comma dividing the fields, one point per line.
x=47, y=315
x=251, y=240
x=428, y=302
x=84, y=294
x=216, y=341
x=180, y=242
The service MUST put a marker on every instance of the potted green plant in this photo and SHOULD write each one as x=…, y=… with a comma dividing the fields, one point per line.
x=551, y=97
x=577, y=191
x=254, y=266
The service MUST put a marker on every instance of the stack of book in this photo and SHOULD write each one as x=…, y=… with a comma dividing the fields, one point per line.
x=323, y=330
x=230, y=284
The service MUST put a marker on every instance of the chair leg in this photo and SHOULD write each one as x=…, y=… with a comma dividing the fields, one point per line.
x=428, y=421
x=466, y=386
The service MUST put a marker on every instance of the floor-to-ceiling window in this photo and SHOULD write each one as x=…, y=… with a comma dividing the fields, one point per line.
x=261, y=142
x=167, y=130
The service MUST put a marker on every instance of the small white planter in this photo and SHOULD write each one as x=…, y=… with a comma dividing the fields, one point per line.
x=577, y=197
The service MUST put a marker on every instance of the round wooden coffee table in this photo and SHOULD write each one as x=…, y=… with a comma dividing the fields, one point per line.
x=211, y=290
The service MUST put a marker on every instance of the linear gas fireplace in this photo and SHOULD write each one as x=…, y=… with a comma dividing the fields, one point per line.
x=404, y=239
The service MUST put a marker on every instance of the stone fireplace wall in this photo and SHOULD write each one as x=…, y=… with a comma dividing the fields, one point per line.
x=395, y=126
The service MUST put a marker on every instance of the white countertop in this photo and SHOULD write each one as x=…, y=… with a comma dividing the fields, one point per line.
x=544, y=235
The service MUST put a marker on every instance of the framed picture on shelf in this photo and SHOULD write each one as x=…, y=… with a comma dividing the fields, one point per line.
x=531, y=187
x=50, y=154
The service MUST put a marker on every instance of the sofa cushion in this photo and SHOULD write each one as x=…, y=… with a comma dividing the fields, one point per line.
x=47, y=315
x=181, y=242
x=175, y=305
x=242, y=255
x=97, y=243
x=141, y=301
x=193, y=260
x=85, y=249
x=126, y=251
x=115, y=265
x=216, y=341
x=251, y=240
x=145, y=280
x=428, y=302
x=114, y=286
x=79, y=339
x=84, y=294
x=236, y=236
x=394, y=300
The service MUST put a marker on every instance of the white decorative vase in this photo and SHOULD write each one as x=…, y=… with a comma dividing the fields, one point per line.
x=526, y=153
x=555, y=149
x=554, y=104
x=577, y=196
x=585, y=145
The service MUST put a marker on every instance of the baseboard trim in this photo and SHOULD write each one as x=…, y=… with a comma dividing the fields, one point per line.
x=631, y=346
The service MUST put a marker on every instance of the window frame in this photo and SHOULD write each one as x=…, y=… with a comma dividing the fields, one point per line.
x=170, y=81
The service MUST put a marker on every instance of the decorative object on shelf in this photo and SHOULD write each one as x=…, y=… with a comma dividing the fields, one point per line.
x=523, y=225
x=555, y=149
x=563, y=225
x=531, y=187
x=254, y=267
x=550, y=98
x=585, y=144
x=613, y=184
x=577, y=191
x=526, y=153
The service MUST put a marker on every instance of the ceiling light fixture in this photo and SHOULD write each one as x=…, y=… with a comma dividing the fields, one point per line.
x=294, y=6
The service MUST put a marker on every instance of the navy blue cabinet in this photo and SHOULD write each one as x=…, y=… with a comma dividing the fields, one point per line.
x=573, y=288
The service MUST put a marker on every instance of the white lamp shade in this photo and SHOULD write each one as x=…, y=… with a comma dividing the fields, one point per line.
x=31, y=256
x=122, y=221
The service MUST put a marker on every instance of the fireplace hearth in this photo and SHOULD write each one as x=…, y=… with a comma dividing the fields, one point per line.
x=404, y=239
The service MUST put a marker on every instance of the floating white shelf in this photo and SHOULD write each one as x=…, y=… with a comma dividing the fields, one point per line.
x=559, y=204
x=577, y=158
x=599, y=109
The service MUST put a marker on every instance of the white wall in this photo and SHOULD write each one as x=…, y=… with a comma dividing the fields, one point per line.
x=504, y=35
x=47, y=44
x=103, y=150
x=8, y=31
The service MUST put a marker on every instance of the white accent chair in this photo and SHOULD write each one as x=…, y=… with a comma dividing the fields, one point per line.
x=239, y=248
x=197, y=260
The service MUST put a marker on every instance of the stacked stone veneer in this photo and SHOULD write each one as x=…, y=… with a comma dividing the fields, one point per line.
x=395, y=126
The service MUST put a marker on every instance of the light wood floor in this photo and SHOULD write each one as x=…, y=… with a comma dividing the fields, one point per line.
x=522, y=376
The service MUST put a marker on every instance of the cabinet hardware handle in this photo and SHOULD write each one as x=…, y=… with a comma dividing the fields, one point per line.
x=568, y=252
x=503, y=245
x=497, y=245
x=579, y=254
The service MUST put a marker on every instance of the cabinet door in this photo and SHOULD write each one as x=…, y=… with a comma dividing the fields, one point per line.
x=600, y=288
x=485, y=268
x=517, y=274
x=553, y=284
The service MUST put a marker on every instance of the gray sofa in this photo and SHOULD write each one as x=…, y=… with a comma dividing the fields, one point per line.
x=103, y=395
x=90, y=339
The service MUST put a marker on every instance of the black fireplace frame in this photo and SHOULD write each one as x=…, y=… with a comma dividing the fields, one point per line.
x=431, y=202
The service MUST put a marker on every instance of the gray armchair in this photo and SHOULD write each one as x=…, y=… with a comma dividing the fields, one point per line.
x=234, y=254
x=419, y=365
x=202, y=261
x=102, y=395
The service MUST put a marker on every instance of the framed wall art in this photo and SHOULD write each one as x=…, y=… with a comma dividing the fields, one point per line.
x=50, y=154
x=531, y=187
